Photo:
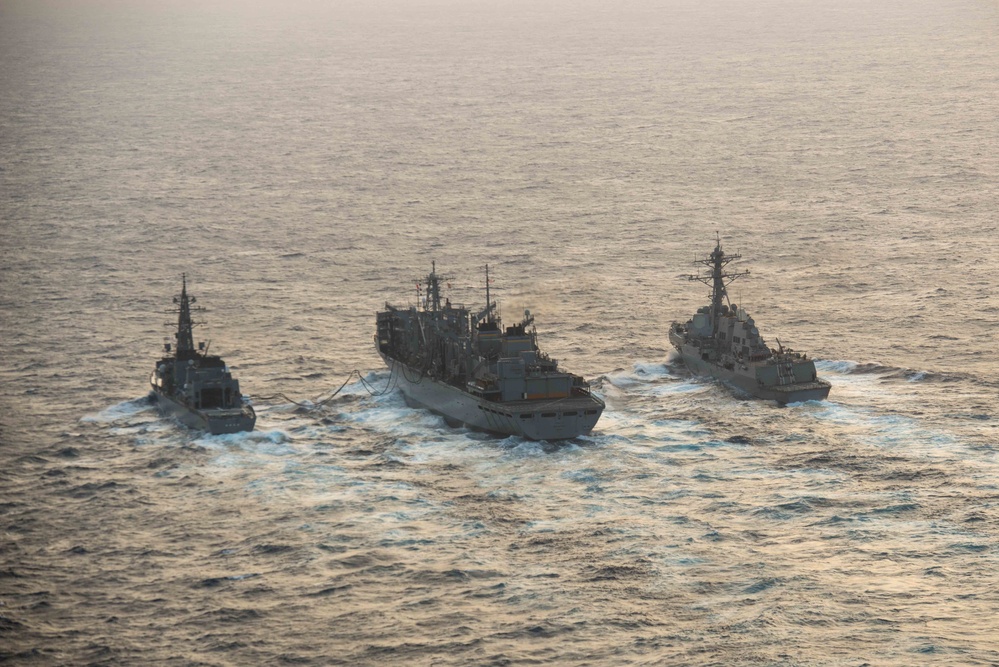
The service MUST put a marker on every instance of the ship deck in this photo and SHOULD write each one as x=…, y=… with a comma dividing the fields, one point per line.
x=800, y=386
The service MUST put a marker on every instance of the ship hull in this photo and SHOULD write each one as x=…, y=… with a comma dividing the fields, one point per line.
x=555, y=419
x=214, y=422
x=796, y=392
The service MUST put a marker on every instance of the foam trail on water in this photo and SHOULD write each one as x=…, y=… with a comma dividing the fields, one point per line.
x=120, y=411
x=891, y=431
x=274, y=442
x=840, y=367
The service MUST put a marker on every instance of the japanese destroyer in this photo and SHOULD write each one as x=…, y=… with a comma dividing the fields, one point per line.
x=722, y=341
x=195, y=387
x=466, y=366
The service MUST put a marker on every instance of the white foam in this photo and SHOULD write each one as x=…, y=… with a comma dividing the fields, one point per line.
x=884, y=430
x=399, y=421
x=141, y=428
x=641, y=373
x=619, y=427
x=273, y=442
x=525, y=449
x=119, y=411
x=843, y=367
x=646, y=370
x=678, y=388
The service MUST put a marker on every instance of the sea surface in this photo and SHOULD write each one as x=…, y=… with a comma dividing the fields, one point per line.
x=305, y=162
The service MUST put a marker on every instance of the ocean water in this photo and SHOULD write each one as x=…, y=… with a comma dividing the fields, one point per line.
x=304, y=162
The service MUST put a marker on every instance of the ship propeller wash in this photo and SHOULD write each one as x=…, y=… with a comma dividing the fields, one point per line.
x=722, y=341
x=465, y=366
x=195, y=387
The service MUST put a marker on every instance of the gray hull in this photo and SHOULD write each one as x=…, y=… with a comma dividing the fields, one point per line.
x=214, y=421
x=557, y=419
x=795, y=392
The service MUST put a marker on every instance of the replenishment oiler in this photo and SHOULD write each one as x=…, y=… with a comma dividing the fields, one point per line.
x=721, y=341
x=466, y=366
x=195, y=387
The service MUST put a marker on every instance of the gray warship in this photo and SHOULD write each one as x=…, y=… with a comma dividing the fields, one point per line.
x=466, y=366
x=722, y=341
x=195, y=387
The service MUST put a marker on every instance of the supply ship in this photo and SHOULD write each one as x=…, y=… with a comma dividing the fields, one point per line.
x=466, y=366
x=721, y=341
x=195, y=387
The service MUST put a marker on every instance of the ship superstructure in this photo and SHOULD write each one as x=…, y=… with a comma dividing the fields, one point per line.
x=195, y=387
x=721, y=341
x=468, y=367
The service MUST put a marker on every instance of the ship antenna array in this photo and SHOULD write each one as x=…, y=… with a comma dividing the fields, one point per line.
x=718, y=280
x=184, y=336
x=432, y=301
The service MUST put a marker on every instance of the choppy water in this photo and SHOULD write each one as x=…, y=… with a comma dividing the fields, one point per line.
x=304, y=163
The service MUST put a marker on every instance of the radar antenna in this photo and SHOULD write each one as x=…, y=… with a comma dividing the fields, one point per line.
x=185, y=325
x=487, y=315
x=717, y=279
x=433, y=281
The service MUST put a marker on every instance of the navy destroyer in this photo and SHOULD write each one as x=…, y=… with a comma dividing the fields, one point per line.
x=467, y=367
x=722, y=341
x=195, y=387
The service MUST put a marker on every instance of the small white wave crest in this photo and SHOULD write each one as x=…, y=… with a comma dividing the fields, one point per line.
x=119, y=411
x=844, y=367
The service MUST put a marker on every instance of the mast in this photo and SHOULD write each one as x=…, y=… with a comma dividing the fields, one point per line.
x=486, y=318
x=718, y=280
x=433, y=302
x=185, y=327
